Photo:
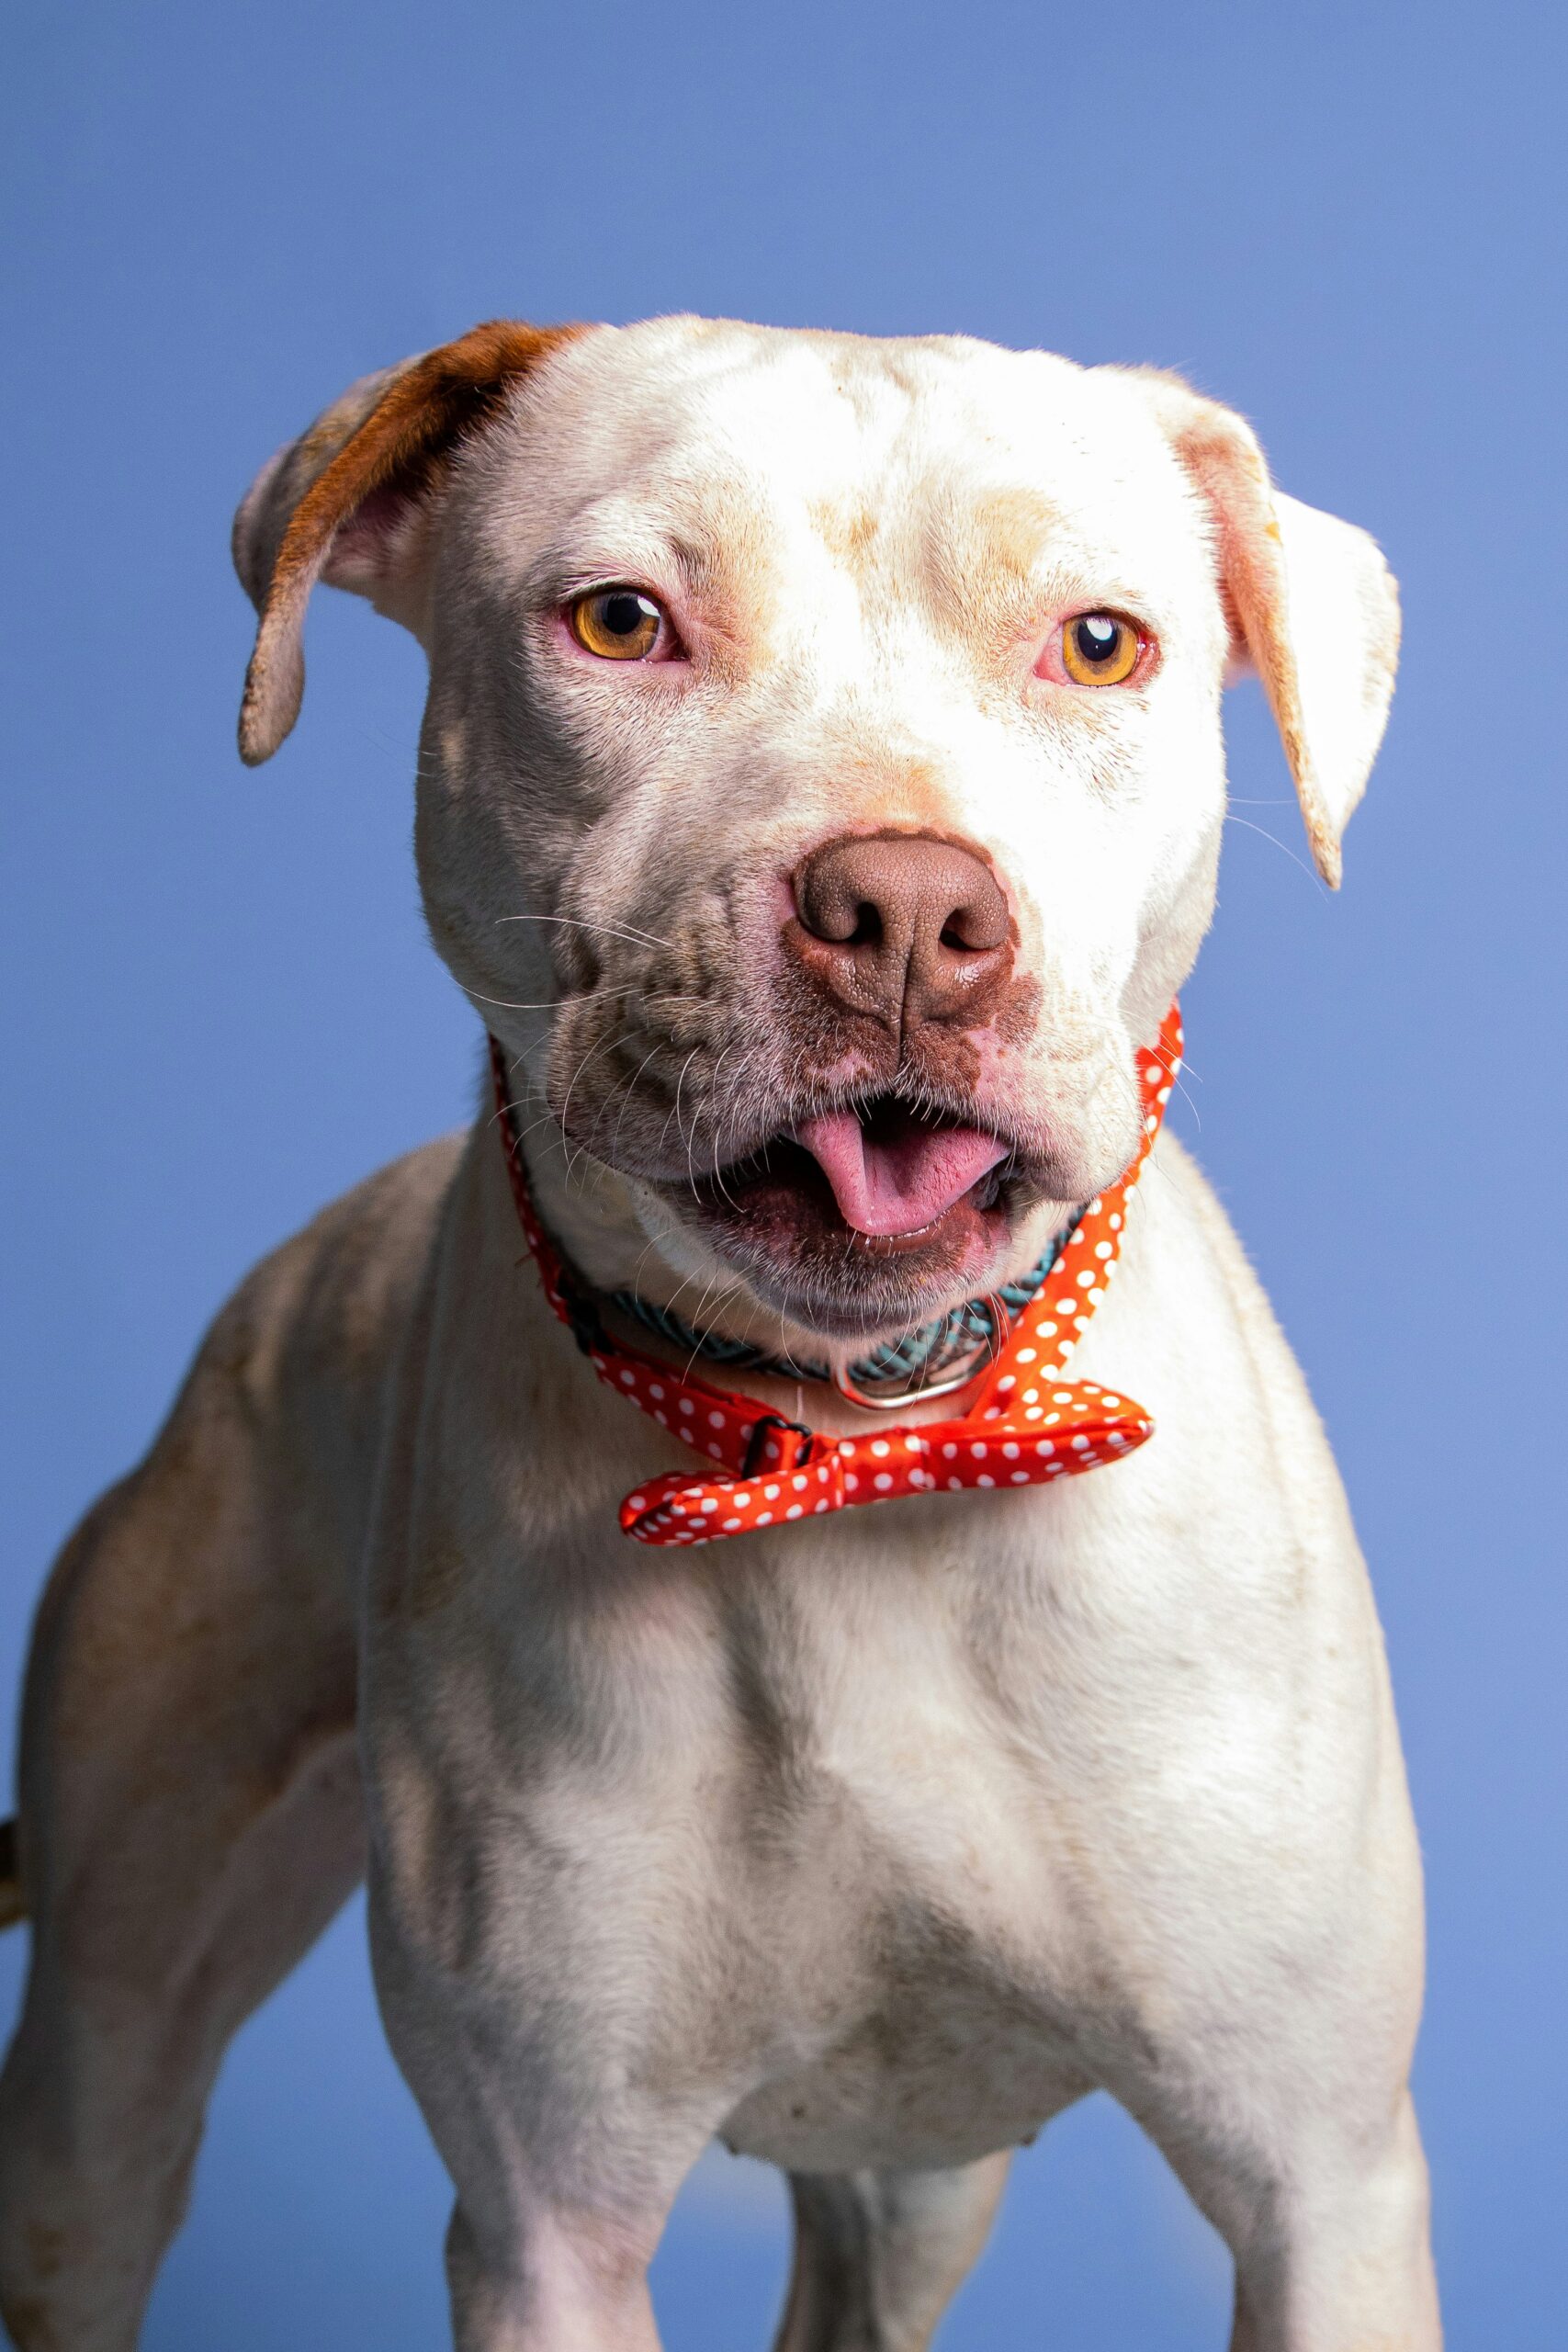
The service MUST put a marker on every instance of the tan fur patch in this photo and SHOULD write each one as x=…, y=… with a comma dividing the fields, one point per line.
x=419, y=417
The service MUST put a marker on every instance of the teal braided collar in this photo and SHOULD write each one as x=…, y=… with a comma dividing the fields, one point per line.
x=898, y=1369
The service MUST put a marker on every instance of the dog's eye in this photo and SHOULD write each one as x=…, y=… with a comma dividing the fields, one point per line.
x=1100, y=650
x=617, y=623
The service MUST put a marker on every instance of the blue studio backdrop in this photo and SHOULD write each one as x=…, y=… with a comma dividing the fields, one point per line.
x=221, y=1008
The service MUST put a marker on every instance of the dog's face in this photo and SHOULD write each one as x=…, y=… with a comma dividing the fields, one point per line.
x=822, y=780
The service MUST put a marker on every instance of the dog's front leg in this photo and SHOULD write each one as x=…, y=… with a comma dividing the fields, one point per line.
x=565, y=2164
x=1337, y=2259
x=1327, y=2217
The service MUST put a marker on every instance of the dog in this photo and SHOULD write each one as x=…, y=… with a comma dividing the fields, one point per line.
x=819, y=800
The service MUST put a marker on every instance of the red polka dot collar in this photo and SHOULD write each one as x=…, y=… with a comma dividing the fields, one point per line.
x=1025, y=1425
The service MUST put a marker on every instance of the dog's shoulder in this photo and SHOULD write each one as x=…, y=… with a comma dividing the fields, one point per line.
x=1190, y=1330
x=290, y=1386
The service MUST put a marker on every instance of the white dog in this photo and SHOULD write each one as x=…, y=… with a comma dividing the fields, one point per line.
x=819, y=800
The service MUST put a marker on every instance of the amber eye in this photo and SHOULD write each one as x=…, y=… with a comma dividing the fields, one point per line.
x=618, y=624
x=1100, y=650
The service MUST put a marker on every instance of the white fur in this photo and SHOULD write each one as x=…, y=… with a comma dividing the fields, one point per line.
x=869, y=1844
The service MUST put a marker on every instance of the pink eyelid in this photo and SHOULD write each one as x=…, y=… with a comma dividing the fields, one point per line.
x=1050, y=665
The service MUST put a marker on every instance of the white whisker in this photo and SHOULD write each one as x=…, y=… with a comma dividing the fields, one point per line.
x=610, y=930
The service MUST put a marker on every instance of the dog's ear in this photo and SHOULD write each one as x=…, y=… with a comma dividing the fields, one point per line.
x=353, y=500
x=1312, y=608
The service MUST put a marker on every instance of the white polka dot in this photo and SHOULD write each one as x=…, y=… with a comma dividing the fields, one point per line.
x=628, y=1379
x=1010, y=1453
x=1027, y=1355
x=798, y=1481
x=1104, y=1249
x=717, y=1452
x=1065, y=1305
x=978, y=1451
x=824, y=1504
x=716, y=1420
x=915, y=1444
x=655, y=1388
x=730, y=1525
x=983, y=1480
x=1085, y=1279
x=1032, y=1413
x=879, y=1445
x=637, y=1502
x=1044, y=1446
x=742, y=1502
x=1081, y=1445
x=846, y=1445
x=795, y=1511
x=949, y=1450
x=663, y=1419
x=709, y=1502
x=882, y=1482
x=1004, y=1383
x=956, y=1482
x=1020, y=1478
x=771, y=1493
x=764, y=1519
x=851, y=1482
x=687, y=1406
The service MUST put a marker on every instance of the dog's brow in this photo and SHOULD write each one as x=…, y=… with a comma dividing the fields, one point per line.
x=699, y=562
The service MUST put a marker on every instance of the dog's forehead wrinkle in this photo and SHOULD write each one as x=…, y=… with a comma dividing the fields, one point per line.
x=870, y=448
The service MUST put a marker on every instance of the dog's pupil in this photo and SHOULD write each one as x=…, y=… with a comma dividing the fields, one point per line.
x=1097, y=638
x=623, y=614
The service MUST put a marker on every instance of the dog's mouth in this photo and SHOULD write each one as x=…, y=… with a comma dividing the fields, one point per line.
x=857, y=1216
x=895, y=1173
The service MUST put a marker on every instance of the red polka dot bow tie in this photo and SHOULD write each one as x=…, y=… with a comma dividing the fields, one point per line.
x=1025, y=1425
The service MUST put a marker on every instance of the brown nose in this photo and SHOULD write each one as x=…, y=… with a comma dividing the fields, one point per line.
x=901, y=928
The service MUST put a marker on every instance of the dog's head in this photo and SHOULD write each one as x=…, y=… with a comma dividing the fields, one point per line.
x=821, y=782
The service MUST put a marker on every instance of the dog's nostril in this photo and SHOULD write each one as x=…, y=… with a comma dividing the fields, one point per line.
x=901, y=922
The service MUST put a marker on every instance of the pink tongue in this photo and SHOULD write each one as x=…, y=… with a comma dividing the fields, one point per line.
x=886, y=1188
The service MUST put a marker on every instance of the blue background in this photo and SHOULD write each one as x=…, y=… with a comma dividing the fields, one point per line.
x=221, y=1008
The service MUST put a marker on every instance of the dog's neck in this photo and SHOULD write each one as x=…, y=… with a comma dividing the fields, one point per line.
x=618, y=1237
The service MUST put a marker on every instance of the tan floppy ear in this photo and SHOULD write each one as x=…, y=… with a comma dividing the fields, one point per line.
x=1313, y=610
x=351, y=503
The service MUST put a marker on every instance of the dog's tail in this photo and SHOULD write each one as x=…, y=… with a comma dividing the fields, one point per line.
x=13, y=1903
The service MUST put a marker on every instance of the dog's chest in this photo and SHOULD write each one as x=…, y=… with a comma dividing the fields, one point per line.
x=923, y=1891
